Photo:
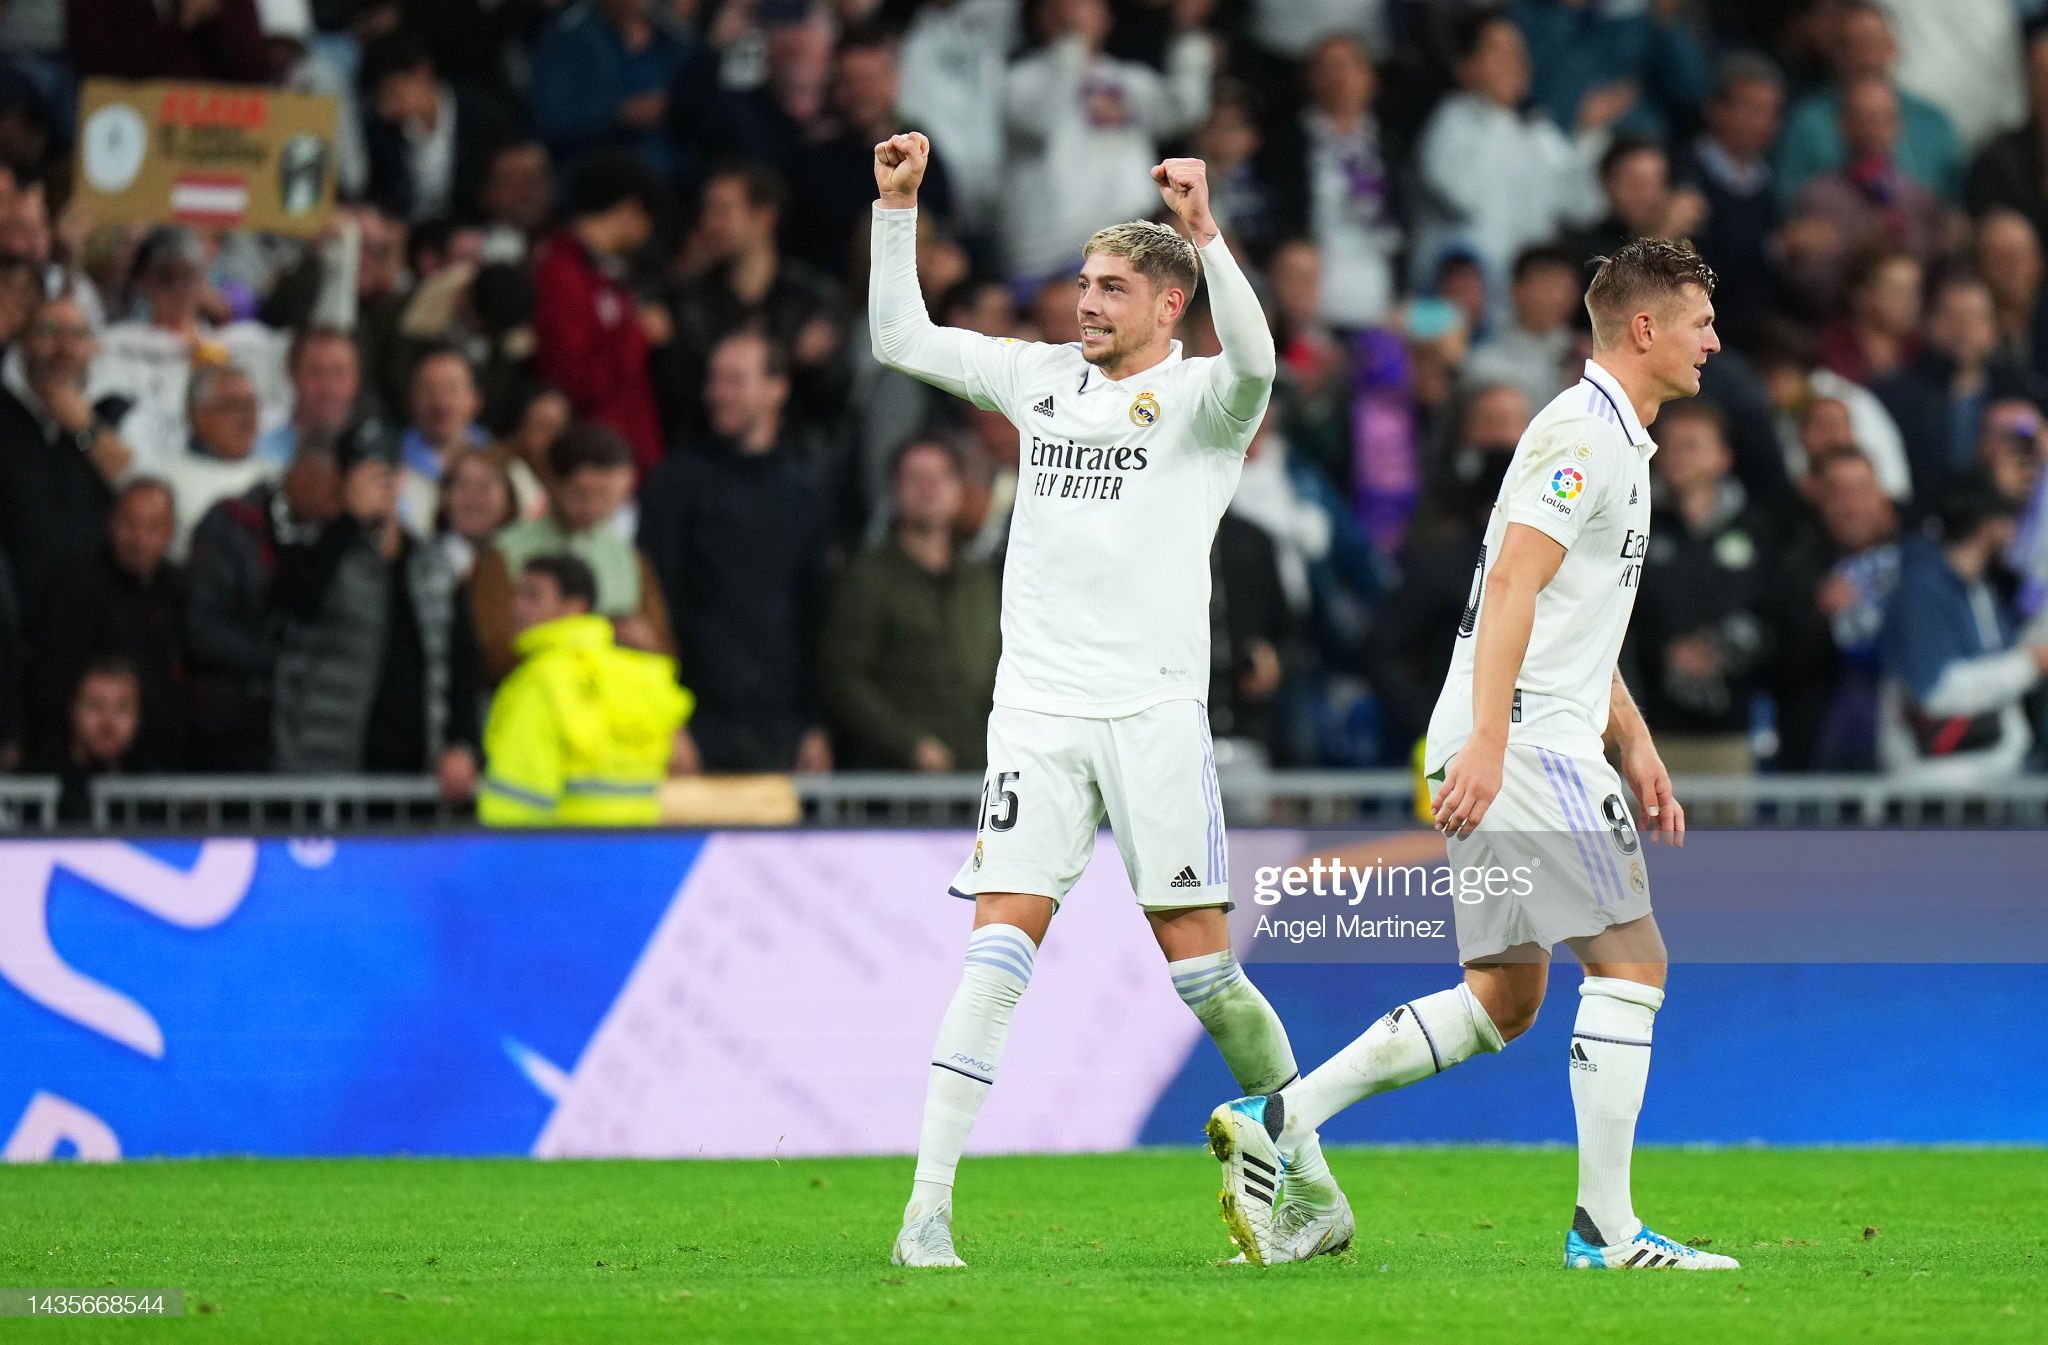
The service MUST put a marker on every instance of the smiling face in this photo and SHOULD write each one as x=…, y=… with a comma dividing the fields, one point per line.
x=1124, y=315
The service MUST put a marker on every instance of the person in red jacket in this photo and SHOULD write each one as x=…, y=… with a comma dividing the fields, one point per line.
x=593, y=332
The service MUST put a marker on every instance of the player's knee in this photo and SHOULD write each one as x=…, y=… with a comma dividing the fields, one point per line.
x=1510, y=1000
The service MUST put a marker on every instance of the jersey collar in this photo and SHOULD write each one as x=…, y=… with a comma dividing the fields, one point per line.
x=1091, y=379
x=1630, y=424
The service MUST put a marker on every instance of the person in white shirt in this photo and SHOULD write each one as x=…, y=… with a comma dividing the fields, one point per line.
x=1532, y=354
x=953, y=54
x=1496, y=180
x=1541, y=837
x=1130, y=455
x=220, y=460
x=1077, y=115
x=1350, y=212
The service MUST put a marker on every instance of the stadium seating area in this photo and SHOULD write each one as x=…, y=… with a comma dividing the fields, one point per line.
x=597, y=284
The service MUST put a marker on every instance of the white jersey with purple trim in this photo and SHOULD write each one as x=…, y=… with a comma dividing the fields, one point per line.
x=1121, y=485
x=1580, y=475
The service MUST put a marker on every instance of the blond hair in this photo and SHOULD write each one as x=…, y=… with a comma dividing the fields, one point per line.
x=1155, y=251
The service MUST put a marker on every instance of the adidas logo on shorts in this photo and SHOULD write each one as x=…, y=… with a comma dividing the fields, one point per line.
x=1044, y=408
x=1186, y=878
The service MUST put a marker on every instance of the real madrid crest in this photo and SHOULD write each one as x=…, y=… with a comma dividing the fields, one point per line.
x=1145, y=411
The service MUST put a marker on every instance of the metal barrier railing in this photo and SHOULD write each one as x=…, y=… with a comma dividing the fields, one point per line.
x=1252, y=795
x=28, y=803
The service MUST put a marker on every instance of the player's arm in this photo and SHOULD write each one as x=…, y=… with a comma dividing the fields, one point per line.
x=1527, y=562
x=902, y=333
x=1244, y=376
x=1644, y=770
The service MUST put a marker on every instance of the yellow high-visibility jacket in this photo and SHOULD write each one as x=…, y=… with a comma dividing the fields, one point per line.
x=580, y=734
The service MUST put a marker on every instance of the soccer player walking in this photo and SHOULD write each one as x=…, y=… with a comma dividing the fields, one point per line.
x=1516, y=749
x=1129, y=453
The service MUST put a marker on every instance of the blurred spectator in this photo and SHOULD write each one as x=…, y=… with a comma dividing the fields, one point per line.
x=219, y=461
x=21, y=294
x=601, y=74
x=380, y=305
x=377, y=666
x=516, y=199
x=1635, y=183
x=1878, y=333
x=149, y=358
x=102, y=722
x=1496, y=180
x=231, y=626
x=1331, y=162
x=2009, y=450
x=538, y=419
x=735, y=277
x=1841, y=581
x=582, y=732
x=1706, y=622
x=326, y=376
x=445, y=407
x=1578, y=49
x=590, y=480
x=1314, y=361
x=594, y=333
x=911, y=641
x=216, y=40
x=29, y=231
x=1788, y=363
x=1076, y=115
x=288, y=35
x=2012, y=171
x=1417, y=625
x=768, y=116
x=736, y=534
x=1954, y=674
x=1536, y=353
x=476, y=502
x=954, y=53
x=1287, y=31
x=1938, y=400
x=2009, y=261
x=1868, y=202
x=1963, y=56
x=484, y=43
x=1250, y=624
x=59, y=453
x=128, y=602
x=427, y=140
x=835, y=181
x=1251, y=192
x=1860, y=48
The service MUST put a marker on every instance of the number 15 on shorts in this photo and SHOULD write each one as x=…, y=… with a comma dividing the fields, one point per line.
x=998, y=802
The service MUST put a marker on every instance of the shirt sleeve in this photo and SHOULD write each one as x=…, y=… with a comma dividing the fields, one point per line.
x=1561, y=479
x=983, y=369
x=1240, y=381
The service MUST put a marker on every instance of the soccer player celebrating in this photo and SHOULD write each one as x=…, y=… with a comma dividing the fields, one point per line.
x=1516, y=747
x=1129, y=453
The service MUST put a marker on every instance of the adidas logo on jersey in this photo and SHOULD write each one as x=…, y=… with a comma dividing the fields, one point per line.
x=1580, y=1060
x=1186, y=878
x=1044, y=408
x=1631, y=494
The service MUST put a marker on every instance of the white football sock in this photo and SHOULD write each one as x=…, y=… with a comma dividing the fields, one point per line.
x=964, y=1059
x=1610, y=1063
x=1255, y=1048
x=1417, y=1039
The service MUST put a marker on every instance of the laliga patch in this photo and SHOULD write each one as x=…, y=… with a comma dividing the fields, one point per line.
x=1566, y=485
x=1145, y=411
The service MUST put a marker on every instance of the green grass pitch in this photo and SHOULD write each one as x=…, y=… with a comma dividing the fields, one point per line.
x=1461, y=1246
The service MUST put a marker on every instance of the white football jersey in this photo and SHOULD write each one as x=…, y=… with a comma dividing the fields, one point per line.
x=1120, y=487
x=1580, y=475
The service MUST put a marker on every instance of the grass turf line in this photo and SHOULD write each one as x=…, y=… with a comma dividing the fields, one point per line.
x=1455, y=1245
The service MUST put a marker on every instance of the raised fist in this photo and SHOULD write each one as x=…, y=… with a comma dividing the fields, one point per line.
x=899, y=167
x=1184, y=183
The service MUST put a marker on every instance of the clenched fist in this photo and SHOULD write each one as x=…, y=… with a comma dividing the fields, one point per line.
x=1184, y=183
x=899, y=166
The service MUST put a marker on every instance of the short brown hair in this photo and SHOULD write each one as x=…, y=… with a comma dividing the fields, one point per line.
x=1154, y=251
x=1642, y=271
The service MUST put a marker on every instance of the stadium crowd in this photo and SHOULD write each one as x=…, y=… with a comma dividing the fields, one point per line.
x=596, y=290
